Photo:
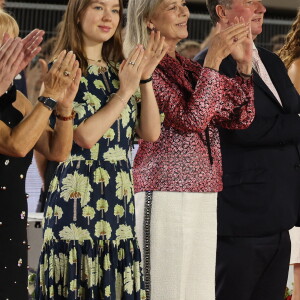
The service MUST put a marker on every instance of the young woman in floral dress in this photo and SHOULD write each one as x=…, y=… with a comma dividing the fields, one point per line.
x=90, y=249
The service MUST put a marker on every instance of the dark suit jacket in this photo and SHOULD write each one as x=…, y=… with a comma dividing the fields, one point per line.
x=261, y=164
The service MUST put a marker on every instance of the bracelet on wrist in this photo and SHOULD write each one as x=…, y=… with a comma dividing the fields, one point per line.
x=143, y=81
x=246, y=75
x=63, y=118
x=119, y=98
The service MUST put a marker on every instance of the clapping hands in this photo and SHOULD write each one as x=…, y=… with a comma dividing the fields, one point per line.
x=15, y=54
x=141, y=62
x=62, y=81
x=235, y=40
x=242, y=52
x=154, y=53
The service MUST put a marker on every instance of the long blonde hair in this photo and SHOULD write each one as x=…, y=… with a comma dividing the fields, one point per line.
x=70, y=35
x=138, y=13
x=291, y=49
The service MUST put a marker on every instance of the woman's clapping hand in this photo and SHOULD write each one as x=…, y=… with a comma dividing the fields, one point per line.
x=141, y=62
x=15, y=54
x=154, y=53
x=62, y=81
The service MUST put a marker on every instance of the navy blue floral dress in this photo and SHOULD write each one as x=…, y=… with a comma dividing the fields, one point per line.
x=90, y=249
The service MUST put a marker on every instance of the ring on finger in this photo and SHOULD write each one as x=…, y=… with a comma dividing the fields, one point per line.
x=67, y=73
x=235, y=39
x=131, y=63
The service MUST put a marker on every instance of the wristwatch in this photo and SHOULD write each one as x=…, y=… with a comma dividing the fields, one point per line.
x=48, y=102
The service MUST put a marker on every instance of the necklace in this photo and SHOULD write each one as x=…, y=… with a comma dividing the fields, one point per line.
x=102, y=69
x=95, y=60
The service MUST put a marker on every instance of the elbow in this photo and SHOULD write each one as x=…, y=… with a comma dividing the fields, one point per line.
x=86, y=145
x=17, y=150
x=149, y=134
x=151, y=137
x=83, y=143
x=151, y=140
x=58, y=156
x=19, y=153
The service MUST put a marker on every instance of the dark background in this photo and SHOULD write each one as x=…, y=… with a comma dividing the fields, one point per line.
x=194, y=8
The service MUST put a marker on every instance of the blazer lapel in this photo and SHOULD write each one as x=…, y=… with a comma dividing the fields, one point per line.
x=257, y=79
x=260, y=83
x=230, y=68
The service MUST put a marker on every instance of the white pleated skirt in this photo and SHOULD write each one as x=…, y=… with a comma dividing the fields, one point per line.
x=295, y=245
x=178, y=234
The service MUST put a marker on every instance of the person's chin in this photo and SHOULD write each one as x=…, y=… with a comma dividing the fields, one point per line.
x=184, y=35
x=257, y=31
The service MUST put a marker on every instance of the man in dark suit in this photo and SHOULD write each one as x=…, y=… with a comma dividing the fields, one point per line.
x=261, y=165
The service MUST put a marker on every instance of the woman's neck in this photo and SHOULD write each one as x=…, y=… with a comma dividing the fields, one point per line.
x=172, y=47
x=172, y=53
x=93, y=52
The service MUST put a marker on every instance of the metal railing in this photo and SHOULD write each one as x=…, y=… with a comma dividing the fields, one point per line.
x=36, y=15
x=47, y=16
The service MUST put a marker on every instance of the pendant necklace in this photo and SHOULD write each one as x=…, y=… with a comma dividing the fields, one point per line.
x=95, y=60
x=102, y=71
x=101, y=68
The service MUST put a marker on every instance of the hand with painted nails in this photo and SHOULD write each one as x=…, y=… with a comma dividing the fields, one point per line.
x=154, y=53
x=130, y=71
x=30, y=47
x=62, y=81
x=11, y=57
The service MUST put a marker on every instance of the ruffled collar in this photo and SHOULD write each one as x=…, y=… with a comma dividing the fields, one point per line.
x=180, y=70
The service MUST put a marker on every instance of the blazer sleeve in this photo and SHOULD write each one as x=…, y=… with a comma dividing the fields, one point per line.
x=269, y=131
x=279, y=129
x=215, y=97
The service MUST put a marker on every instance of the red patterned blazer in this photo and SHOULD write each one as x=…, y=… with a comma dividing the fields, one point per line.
x=195, y=101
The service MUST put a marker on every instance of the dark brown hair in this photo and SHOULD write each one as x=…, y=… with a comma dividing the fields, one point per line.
x=70, y=35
